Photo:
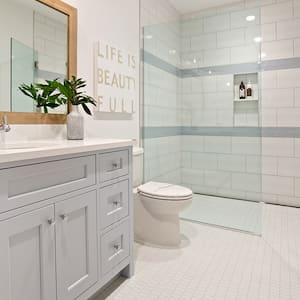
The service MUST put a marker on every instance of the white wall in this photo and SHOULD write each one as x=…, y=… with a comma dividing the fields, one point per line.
x=114, y=21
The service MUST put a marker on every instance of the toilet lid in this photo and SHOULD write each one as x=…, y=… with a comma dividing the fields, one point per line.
x=165, y=191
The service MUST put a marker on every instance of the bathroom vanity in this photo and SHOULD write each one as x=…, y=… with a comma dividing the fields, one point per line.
x=65, y=218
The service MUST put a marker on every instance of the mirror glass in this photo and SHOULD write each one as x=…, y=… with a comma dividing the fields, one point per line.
x=34, y=48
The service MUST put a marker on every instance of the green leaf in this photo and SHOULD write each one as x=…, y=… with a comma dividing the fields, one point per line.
x=86, y=109
x=53, y=93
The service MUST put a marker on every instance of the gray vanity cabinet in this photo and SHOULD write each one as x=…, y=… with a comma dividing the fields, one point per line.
x=27, y=256
x=60, y=237
x=65, y=229
x=76, y=245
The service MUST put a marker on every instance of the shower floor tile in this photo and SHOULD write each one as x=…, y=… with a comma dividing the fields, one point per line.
x=217, y=264
x=231, y=213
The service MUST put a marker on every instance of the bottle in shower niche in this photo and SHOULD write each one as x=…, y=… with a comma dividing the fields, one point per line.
x=249, y=89
x=242, y=91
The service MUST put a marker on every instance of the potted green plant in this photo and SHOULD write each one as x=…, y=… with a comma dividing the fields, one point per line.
x=45, y=95
x=54, y=93
x=70, y=91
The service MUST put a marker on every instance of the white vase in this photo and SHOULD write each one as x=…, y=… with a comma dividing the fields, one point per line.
x=75, y=124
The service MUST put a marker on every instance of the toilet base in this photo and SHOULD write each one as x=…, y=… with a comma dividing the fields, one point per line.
x=156, y=229
x=164, y=232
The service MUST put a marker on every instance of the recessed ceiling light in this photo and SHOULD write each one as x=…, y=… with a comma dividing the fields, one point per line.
x=257, y=39
x=194, y=60
x=228, y=83
x=172, y=51
x=148, y=36
x=250, y=18
x=210, y=72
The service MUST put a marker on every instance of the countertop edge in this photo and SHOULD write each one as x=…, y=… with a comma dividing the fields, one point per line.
x=67, y=149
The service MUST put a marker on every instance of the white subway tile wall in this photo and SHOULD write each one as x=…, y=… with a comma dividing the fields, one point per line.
x=252, y=168
x=50, y=41
x=163, y=159
x=162, y=102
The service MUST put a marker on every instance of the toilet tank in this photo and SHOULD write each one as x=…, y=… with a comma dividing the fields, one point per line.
x=138, y=166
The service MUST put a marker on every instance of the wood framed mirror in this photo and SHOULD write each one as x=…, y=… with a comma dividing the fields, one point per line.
x=17, y=49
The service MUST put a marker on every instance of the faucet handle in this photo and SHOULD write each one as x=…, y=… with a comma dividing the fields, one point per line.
x=5, y=120
x=5, y=126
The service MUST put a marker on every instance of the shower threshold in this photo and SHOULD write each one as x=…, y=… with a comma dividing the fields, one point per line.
x=228, y=213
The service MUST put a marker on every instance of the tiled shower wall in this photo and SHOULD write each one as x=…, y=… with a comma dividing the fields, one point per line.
x=161, y=101
x=281, y=155
x=50, y=42
x=247, y=167
x=224, y=164
x=281, y=104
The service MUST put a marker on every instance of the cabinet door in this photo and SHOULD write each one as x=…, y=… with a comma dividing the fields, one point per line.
x=76, y=245
x=27, y=256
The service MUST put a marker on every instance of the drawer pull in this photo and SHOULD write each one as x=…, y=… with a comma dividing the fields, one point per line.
x=115, y=166
x=116, y=203
x=51, y=222
x=64, y=217
x=117, y=247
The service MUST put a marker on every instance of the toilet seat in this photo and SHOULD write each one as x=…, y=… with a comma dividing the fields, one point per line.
x=165, y=191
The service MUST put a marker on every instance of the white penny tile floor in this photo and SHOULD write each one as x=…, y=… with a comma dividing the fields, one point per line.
x=220, y=264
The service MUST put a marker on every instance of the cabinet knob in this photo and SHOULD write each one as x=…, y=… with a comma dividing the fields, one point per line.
x=117, y=247
x=116, y=203
x=51, y=222
x=64, y=217
x=114, y=165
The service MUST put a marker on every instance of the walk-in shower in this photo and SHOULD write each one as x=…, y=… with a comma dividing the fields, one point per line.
x=199, y=129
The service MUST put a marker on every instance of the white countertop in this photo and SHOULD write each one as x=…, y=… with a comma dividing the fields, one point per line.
x=14, y=152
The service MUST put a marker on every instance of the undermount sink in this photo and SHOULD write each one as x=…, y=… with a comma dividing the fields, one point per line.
x=24, y=146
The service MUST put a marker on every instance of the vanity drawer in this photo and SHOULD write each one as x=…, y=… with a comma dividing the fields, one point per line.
x=113, y=165
x=114, y=247
x=25, y=185
x=113, y=203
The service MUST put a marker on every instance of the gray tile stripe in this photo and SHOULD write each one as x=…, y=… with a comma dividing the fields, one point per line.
x=221, y=70
x=222, y=131
x=289, y=132
x=284, y=132
x=155, y=132
x=278, y=64
x=160, y=64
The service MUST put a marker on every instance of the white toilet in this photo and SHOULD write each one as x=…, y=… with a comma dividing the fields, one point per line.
x=156, y=207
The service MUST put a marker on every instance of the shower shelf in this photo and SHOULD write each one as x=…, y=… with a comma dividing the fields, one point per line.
x=245, y=100
x=246, y=111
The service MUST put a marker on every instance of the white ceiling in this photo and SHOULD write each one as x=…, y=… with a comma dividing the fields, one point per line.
x=190, y=6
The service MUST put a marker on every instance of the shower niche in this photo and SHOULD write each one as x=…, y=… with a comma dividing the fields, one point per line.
x=246, y=111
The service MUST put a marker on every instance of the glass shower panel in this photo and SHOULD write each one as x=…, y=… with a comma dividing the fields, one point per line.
x=22, y=71
x=199, y=130
x=162, y=113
